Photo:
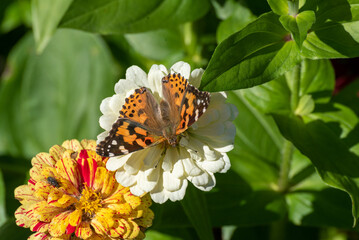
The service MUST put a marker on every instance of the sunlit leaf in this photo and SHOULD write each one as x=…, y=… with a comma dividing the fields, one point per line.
x=46, y=15
x=255, y=55
x=55, y=96
x=131, y=16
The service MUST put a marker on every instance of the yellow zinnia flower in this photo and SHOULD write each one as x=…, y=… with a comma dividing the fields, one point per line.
x=71, y=195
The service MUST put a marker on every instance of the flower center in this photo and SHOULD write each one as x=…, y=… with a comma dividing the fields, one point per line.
x=89, y=202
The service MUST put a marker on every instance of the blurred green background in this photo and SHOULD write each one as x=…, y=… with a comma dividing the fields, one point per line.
x=52, y=96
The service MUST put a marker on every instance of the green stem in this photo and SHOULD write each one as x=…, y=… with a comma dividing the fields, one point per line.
x=295, y=87
x=287, y=155
x=293, y=7
x=278, y=230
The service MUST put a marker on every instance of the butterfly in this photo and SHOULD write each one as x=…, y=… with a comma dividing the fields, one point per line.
x=143, y=122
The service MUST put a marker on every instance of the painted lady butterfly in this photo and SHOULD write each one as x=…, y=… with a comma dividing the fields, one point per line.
x=143, y=122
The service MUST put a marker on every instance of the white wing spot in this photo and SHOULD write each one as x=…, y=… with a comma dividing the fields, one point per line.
x=197, y=113
x=114, y=142
x=111, y=154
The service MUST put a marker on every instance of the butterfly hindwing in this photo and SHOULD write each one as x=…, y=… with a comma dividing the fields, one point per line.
x=193, y=105
x=126, y=136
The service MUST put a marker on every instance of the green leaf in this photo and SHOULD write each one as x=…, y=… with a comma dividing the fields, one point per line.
x=159, y=45
x=171, y=234
x=327, y=207
x=336, y=31
x=337, y=166
x=239, y=18
x=298, y=25
x=305, y=106
x=279, y=7
x=195, y=206
x=53, y=97
x=255, y=55
x=316, y=80
x=46, y=15
x=125, y=16
x=3, y=215
x=349, y=96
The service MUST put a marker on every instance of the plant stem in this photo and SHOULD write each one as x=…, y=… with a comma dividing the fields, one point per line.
x=295, y=87
x=287, y=154
x=278, y=230
x=293, y=7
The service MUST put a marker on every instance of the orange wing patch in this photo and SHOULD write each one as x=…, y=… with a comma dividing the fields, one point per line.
x=126, y=136
x=193, y=105
x=174, y=87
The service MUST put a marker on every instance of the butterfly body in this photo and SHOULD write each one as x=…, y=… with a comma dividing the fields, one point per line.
x=144, y=122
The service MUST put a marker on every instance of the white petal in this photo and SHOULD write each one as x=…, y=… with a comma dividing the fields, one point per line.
x=227, y=163
x=196, y=77
x=170, y=182
x=102, y=136
x=134, y=163
x=106, y=121
x=171, y=154
x=123, y=86
x=149, y=179
x=178, y=169
x=152, y=156
x=179, y=195
x=183, y=68
x=115, y=163
x=213, y=166
x=125, y=179
x=190, y=167
x=204, y=182
x=158, y=194
x=105, y=106
x=116, y=103
x=137, y=76
x=136, y=190
x=155, y=75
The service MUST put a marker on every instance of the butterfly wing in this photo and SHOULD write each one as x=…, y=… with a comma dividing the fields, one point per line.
x=141, y=107
x=186, y=102
x=126, y=136
x=193, y=105
x=138, y=126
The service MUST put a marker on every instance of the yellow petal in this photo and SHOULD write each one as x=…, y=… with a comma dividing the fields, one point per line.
x=75, y=217
x=100, y=177
x=131, y=229
x=56, y=152
x=25, y=194
x=67, y=169
x=103, y=220
x=45, y=212
x=59, y=224
x=121, y=208
x=84, y=230
x=89, y=144
x=110, y=185
x=146, y=219
x=40, y=236
x=39, y=162
x=133, y=200
x=73, y=145
x=23, y=217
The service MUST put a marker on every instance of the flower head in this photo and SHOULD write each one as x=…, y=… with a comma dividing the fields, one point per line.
x=71, y=195
x=164, y=170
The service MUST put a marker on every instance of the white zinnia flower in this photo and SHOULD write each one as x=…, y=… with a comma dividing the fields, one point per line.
x=201, y=151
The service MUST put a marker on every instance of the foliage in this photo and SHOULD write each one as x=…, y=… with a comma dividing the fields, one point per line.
x=295, y=164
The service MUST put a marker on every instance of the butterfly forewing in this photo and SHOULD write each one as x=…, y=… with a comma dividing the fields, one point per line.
x=193, y=105
x=126, y=136
x=141, y=107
